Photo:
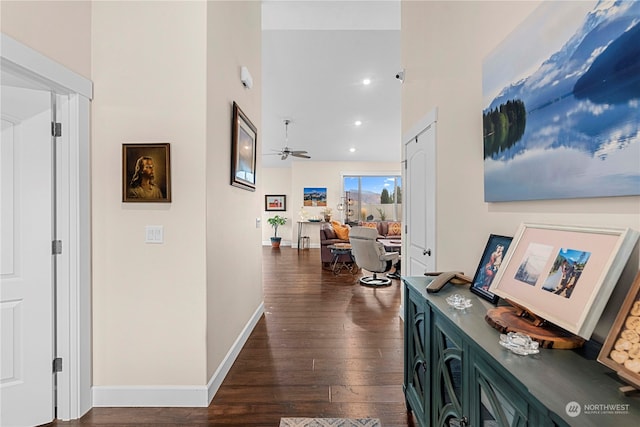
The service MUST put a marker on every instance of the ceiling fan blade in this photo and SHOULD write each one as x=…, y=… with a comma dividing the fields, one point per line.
x=284, y=156
x=299, y=154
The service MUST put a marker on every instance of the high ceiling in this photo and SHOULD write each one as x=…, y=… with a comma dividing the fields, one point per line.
x=315, y=55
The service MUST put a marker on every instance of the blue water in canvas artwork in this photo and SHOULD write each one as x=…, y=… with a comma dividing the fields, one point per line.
x=571, y=127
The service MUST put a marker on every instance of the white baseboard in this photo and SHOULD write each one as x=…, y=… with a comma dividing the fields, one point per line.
x=223, y=369
x=312, y=245
x=175, y=396
x=150, y=396
x=282, y=243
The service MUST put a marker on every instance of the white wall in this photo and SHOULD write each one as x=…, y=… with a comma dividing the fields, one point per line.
x=234, y=257
x=278, y=181
x=443, y=45
x=292, y=181
x=60, y=30
x=164, y=316
x=149, y=300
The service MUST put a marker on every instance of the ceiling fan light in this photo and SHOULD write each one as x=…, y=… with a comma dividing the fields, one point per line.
x=366, y=81
x=357, y=122
x=286, y=151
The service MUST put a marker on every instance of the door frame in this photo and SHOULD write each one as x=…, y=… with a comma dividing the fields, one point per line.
x=418, y=128
x=73, y=221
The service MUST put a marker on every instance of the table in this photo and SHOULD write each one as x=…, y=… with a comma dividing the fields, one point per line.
x=336, y=265
x=393, y=245
x=300, y=227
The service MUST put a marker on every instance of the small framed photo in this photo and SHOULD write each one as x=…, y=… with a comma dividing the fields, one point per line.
x=564, y=274
x=146, y=173
x=275, y=202
x=621, y=349
x=490, y=263
x=244, y=138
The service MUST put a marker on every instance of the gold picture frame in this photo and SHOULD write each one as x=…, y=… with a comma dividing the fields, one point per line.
x=146, y=173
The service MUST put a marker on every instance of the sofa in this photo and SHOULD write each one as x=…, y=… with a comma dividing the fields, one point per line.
x=386, y=229
x=328, y=237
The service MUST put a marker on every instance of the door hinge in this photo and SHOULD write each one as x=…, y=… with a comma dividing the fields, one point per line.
x=57, y=364
x=56, y=247
x=406, y=230
x=56, y=129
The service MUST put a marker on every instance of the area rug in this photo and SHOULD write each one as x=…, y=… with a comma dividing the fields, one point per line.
x=330, y=422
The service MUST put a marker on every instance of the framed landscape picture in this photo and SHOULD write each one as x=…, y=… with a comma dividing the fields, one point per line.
x=275, y=202
x=315, y=196
x=560, y=100
x=621, y=349
x=244, y=137
x=492, y=257
x=146, y=173
x=564, y=274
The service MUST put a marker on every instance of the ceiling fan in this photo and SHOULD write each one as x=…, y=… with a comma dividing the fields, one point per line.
x=286, y=151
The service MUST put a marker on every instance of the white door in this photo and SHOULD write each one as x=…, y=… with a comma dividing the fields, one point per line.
x=420, y=217
x=26, y=267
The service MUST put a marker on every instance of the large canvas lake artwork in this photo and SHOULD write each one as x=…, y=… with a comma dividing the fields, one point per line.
x=561, y=98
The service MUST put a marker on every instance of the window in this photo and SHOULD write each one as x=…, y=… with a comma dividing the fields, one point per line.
x=373, y=198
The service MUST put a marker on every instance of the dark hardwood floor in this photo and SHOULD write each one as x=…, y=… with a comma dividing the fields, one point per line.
x=326, y=347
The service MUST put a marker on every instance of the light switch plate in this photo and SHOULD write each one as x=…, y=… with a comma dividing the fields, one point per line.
x=154, y=234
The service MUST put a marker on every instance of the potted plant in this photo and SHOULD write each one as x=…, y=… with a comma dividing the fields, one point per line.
x=275, y=222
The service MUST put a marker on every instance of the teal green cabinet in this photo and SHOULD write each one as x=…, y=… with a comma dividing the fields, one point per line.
x=417, y=373
x=456, y=373
x=447, y=382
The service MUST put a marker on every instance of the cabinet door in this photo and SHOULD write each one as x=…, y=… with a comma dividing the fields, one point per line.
x=416, y=364
x=447, y=382
x=494, y=401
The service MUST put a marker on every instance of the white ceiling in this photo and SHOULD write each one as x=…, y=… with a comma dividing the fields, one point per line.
x=315, y=55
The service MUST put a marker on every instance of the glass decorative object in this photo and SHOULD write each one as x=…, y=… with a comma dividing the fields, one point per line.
x=519, y=343
x=459, y=302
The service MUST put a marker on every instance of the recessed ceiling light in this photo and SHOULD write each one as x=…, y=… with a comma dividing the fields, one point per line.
x=352, y=150
x=366, y=81
x=357, y=123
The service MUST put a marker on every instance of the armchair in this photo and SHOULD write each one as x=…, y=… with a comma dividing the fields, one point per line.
x=371, y=255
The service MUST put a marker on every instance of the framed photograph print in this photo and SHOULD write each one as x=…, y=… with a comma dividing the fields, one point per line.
x=564, y=274
x=275, y=202
x=539, y=95
x=244, y=137
x=492, y=257
x=621, y=349
x=146, y=173
x=314, y=196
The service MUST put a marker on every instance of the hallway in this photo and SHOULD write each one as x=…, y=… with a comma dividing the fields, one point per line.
x=326, y=347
